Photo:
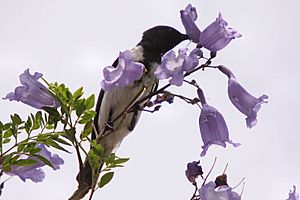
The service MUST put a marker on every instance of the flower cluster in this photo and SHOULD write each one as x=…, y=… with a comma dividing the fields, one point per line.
x=214, y=37
x=213, y=190
x=173, y=66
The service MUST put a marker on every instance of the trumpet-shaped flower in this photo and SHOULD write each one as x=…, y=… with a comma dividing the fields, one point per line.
x=193, y=171
x=217, y=35
x=125, y=73
x=188, y=18
x=32, y=92
x=243, y=100
x=213, y=127
x=209, y=192
x=34, y=172
x=173, y=66
x=293, y=195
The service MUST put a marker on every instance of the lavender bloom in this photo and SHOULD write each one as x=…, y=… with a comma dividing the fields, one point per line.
x=193, y=171
x=209, y=192
x=213, y=127
x=188, y=18
x=34, y=172
x=242, y=100
x=293, y=195
x=173, y=67
x=32, y=92
x=124, y=74
x=217, y=35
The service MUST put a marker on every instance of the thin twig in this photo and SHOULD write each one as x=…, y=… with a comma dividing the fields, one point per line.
x=210, y=171
x=195, y=192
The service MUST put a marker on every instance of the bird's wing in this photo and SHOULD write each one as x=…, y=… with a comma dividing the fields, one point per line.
x=98, y=106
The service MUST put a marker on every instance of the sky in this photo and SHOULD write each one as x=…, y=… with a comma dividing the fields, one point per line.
x=71, y=41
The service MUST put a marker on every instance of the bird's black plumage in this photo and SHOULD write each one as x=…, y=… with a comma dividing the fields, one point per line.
x=155, y=43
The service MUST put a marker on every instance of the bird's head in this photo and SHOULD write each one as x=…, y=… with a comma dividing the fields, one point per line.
x=160, y=39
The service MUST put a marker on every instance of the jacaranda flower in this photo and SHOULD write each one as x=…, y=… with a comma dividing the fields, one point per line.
x=32, y=92
x=173, y=67
x=213, y=127
x=34, y=172
x=126, y=72
x=209, y=192
x=217, y=35
x=188, y=18
x=293, y=195
x=193, y=171
x=242, y=100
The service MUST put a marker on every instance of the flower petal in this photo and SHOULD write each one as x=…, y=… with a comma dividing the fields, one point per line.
x=34, y=172
x=217, y=35
x=293, y=195
x=125, y=73
x=244, y=101
x=188, y=16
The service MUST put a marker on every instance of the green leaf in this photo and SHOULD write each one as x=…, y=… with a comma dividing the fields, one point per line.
x=70, y=134
x=105, y=179
x=87, y=116
x=7, y=140
x=16, y=119
x=79, y=107
x=78, y=93
x=44, y=160
x=59, y=140
x=28, y=125
x=39, y=116
x=88, y=128
x=52, y=113
x=21, y=147
x=89, y=102
x=34, y=151
x=50, y=126
x=97, y=148
x=29, y=147
x=8, y=133
x=24, y=162
x=6, y=126
x=56, y=145
x=36, y=123
x=120, y=161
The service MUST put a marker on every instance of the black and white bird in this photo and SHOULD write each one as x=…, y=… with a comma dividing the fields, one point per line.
x=149, y=51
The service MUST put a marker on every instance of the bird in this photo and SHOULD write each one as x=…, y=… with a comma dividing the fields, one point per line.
x=155, y=42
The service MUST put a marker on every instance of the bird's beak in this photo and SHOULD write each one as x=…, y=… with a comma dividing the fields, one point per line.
x=185, y=37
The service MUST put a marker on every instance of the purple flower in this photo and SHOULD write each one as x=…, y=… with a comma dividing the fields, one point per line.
x=124, y=74
x=242, y=100
x=34, y=172
x=193, y=171
x=213, y=127
x=209, y=192
x=217, y=35
x=32, y=92
x=173, y=67
x=188, y=18
x=293, y=195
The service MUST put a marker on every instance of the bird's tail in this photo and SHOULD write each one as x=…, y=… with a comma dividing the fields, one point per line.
x=85, y=182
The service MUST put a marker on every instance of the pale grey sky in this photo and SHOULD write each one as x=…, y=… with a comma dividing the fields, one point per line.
x=70, y=41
